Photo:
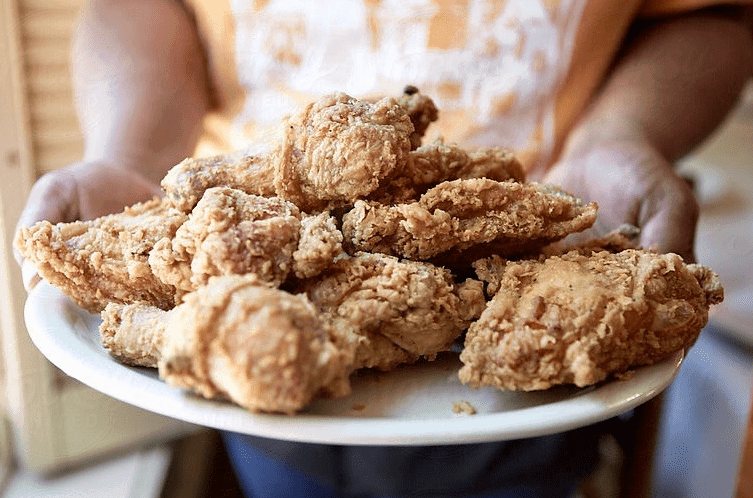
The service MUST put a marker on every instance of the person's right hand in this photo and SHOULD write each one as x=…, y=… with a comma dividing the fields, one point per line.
x=82, y=191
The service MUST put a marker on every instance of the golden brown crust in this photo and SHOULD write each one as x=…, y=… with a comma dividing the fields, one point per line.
x=505, y=218
x=186, y=182
x=339, y=149
x=415, y=306
x=104, y=260
x=432, y=164
x=229, y=232
x=235, y=338
x=579, y=318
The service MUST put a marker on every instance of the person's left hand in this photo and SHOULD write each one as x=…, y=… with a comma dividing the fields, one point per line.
x=632, y=183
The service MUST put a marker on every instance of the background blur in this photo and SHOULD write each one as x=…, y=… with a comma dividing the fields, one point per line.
x=59, y=438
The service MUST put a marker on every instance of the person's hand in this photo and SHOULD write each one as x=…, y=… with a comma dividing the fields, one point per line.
x=633, y=184
x=82, y=191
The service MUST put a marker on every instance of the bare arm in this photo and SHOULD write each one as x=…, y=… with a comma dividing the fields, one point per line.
x=675, y=82
x=673, y=85
x=141, y=84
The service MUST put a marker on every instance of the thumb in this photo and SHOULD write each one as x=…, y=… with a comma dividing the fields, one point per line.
x=29, y=275
x=672, y=225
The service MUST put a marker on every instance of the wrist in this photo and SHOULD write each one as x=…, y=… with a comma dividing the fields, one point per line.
x=603, y=132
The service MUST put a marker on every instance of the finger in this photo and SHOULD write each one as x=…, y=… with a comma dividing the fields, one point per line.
x=29, y=275
x=672, y=226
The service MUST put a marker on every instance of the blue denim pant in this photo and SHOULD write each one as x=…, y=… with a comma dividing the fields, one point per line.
x=262, y=476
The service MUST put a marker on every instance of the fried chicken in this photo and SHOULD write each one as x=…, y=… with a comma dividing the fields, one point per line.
x=104, y=260
x=186, y=182
x=339, y=149
x=230, y=232
x=319, y=244
x=576, y=318
x=397, y=311
x=263, y=348
x=421, y=111
x=432, y=164
x=268, y=279
x=467, y=217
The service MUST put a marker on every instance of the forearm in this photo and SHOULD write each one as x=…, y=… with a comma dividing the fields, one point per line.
x=673, y=85
x=140, y=83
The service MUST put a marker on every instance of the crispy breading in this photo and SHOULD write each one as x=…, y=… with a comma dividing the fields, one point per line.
x=263, y=348
x=487, y=216
x=229, y=232
x=187, y=181
x=421, y=110
x=577, y=319
x=432, y=164
x=104, y=260
x=319, y=244
x=338, y=149
x=416, y=306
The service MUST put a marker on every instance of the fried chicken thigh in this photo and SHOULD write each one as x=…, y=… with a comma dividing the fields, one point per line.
x=577, y=318
x=397, y=311
x=235, y=338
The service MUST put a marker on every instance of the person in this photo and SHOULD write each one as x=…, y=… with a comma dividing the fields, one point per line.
x=599, y=97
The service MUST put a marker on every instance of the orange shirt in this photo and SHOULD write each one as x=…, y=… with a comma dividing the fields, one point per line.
x=515, y=73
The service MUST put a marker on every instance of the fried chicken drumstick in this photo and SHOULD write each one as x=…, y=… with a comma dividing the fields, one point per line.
x=235, y=338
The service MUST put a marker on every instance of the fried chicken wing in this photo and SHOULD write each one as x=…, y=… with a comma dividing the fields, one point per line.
x=468, y=217
x=576, y=318
x=103, y=260
x=263, y=348
x=186, y=182
x=397, y=310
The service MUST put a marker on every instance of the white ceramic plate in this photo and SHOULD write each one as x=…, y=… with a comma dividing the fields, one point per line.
x=412, y=405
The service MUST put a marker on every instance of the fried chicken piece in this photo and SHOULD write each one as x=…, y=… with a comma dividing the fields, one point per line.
x=396, y=311
x=339, y=149
x=263, y=348
x=464, y=219
x=320, y=243
x=336, y=150
x=421, y=110
x=432, y=164
x=577, y=319
x=230, y=232
x=106, y=259
x=186, y=182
